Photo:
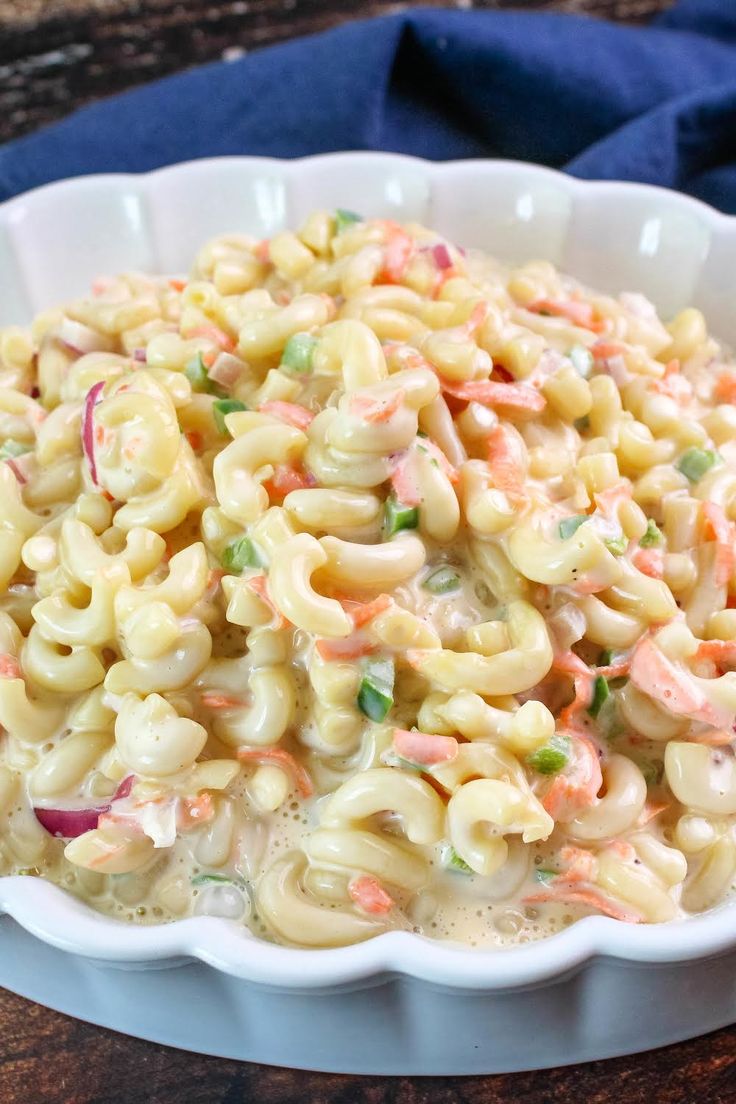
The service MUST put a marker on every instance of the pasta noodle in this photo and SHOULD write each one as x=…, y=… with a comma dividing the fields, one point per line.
x=360, y=583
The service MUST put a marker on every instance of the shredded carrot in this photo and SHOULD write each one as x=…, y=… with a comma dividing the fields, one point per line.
x=259, y=584
x=568, y=717
x=575, y=788
x=717, y=527
x=650, y=811
x=215, y=334
x=604, y=350
x=725, y=388
x=655, y=674
x=580, y=865
x=477, y=317
x=406, y=355
x=570, y=664
x=673, y=687
x=574, y=895
x=415, y=657
x=9, y=667
x=346, y=647
x=330, y=303
x=428, y=750
x=195, y=810
x=376, y=408
x=363, y=612
x=132, y=447
x=214, y=700
x=610, y=500
x=370, y=896
x=580, y=314
x=506, y=458
x=404, y=480
x=721, y=652
x=715, y=737
x=263, y=251
x=291, y=413
x=177, y=285
x=623, y=849
x=516, y=398
x=279, y=757
x=285, y=479
x=650, y=561
x=99, y=860
x=672, y=384
x=614, y=670
x=195, y=439
x=397, y=254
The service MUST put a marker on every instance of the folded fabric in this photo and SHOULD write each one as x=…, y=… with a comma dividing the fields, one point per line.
x=655, y=103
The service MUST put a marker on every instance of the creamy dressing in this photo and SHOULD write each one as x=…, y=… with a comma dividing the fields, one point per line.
x=186, y=801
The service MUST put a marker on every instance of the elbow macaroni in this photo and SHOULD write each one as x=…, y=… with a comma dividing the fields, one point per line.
x=375, y=579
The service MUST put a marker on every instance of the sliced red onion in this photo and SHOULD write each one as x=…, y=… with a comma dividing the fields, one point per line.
x=502, y=374
x=124, y=788
x=615, y=367
x=69, y=823
x=88, y=428
x=81, y=339
x=568, y=625
x=441, y=255
x=139, y=355
x=22, y=466
x=226, y=370
x=16, y=470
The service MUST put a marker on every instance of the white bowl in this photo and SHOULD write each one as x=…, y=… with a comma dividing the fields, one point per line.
x=594, y=983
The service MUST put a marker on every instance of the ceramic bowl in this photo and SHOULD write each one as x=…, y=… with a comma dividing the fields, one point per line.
x=597, y=988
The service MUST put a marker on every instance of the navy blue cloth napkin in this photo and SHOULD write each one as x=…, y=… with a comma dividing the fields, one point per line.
x=655, y=103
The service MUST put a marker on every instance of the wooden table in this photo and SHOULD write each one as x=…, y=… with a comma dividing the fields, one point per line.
x=46, y=1058
x=58, y=54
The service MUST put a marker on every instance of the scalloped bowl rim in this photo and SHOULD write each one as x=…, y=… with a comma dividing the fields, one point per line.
x=290, y=165
x=65, y=922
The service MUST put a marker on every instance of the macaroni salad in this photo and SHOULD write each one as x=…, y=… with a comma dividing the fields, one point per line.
x=358, y=583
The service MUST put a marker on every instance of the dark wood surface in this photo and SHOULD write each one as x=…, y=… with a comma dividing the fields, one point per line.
x=48, y=1058
x=58, y=54
x=54, y=56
